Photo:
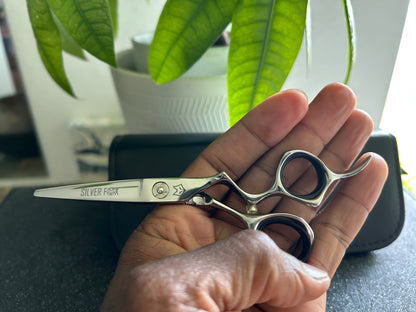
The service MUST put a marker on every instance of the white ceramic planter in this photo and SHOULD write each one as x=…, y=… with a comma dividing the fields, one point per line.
x=212, y=63
x=195, y=103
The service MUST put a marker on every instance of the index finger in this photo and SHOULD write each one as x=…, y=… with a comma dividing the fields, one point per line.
x=261, y=129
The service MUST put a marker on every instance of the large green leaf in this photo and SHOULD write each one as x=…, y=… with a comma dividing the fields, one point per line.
x=48, y=41
x=68, y=43
x=186, y=29
x=265, y=39
x=89, y=22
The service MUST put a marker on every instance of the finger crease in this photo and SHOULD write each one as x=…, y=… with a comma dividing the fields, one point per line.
x=340, y=159
x=322, y=141
x=355, y=201
x=219, y=165
x=340, y=235
x=256, y=136
x=269, y=171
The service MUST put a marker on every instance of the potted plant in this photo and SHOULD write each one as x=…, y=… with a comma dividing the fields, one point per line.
x=264, y=41
x=196, y=102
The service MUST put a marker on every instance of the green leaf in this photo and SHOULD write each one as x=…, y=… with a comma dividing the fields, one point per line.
x=350, y=26
x=89, y=23
x=48, y=42
x=113, y=4
x=265, y=39
x=186, y=29
x=68, y=44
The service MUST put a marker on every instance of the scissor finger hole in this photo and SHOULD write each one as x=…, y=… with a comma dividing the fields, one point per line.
x=302, y=176
x=284, y=235
x=299, y=241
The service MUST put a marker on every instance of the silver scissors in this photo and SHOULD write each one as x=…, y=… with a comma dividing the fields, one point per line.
x=191, y=191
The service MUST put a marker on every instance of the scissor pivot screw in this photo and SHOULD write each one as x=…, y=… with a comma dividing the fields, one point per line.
x=251, y=209
x=160, y=190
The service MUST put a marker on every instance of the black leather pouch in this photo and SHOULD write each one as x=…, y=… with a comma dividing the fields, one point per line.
x=386, y=220
x=140, y=156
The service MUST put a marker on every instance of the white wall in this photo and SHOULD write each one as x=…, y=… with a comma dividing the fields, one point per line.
x=379, y=26
x=51, y=108
x=400, y=110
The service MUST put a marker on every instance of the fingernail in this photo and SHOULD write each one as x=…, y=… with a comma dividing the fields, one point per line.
x=315, y=273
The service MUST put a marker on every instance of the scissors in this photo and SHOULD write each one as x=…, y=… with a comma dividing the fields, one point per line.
x=191, y=191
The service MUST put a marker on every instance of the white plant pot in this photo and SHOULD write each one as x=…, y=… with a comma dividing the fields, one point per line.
x=212, y=63
x=190, y=104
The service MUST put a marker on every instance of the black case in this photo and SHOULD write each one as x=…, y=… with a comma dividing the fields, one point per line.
x=140, y=156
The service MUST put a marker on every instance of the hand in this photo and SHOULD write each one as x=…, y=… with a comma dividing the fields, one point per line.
x=181, y=259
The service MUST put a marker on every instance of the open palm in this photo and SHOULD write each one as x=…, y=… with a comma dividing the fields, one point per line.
x=329, y=127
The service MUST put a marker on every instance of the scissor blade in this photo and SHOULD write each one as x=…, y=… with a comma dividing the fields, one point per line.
x=148, y=190
x=123, y=190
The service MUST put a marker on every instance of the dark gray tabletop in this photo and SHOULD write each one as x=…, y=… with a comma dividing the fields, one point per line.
x=55, y=255
x=382, y=280
x=59, y=255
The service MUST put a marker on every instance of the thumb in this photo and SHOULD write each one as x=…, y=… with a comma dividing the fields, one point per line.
x=263, y=273
x=232, y=274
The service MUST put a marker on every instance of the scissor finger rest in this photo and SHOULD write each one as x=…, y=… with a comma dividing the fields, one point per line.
x=324, y=179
